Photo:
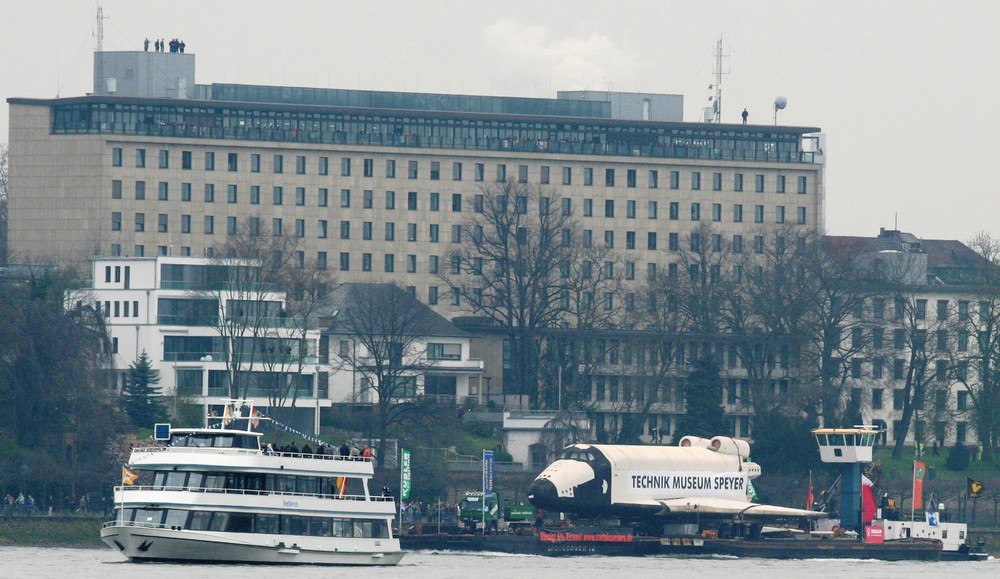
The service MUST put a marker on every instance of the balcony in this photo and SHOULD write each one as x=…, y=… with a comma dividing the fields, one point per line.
x=187, y=320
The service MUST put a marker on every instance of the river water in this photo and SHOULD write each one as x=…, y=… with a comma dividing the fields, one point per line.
x=32, y=562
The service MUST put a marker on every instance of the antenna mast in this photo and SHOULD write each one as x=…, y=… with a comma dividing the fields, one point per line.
x=713, y=113
x=99, y=33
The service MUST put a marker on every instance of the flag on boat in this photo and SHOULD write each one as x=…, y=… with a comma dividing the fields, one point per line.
x=128, y=476
x=404, y=475
x=867, y=499
x=810, y=499
x=919, y=471
x=341, y=485
x=974, y=488
x=931, y=513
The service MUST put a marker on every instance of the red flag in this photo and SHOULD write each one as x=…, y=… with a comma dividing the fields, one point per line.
x=918, y=484
x=867, y=500
x=809, y=493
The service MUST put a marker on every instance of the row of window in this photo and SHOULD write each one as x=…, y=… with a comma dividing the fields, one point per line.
x=543, y=176
x=434, y=202
x=943, y=370
x=902, y=308
x=412, y=233
x=902, y=339
x=242, y=522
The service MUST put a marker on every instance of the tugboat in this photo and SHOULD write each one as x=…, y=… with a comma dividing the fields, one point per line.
x=216, y=494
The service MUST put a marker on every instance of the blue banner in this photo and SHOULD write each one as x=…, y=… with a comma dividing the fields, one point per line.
x=487, y=473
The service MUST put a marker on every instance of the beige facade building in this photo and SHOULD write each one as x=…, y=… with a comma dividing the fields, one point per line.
x=378, y=186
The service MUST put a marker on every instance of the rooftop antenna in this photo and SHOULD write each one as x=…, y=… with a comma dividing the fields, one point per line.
x=713, y=112
x=99, y=33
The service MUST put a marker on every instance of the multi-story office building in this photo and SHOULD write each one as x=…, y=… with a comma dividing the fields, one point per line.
x=377, y=185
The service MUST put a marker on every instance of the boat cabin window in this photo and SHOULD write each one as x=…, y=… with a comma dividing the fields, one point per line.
x=205, y=440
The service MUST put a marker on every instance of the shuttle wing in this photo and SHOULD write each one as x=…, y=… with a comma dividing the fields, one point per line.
x=716, y=506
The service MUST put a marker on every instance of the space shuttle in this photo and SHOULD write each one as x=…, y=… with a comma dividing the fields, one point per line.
x=708, y=477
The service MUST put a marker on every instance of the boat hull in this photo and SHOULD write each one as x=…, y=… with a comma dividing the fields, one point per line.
x=164, y=544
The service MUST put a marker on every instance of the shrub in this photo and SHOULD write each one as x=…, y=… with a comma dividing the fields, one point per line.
x=958, y=458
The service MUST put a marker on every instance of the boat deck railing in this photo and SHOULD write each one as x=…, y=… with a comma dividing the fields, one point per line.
x=250, y=451
x=255, y=492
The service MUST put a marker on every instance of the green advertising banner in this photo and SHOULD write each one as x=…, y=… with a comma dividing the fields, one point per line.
x=404, y=475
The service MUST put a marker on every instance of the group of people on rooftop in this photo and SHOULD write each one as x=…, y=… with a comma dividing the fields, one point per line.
x=158, y=45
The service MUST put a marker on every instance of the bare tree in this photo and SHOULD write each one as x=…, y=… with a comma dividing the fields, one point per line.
x=977, y=365
x=385, y=329
x=509, y=263
x=246, y=284
x=4, y=192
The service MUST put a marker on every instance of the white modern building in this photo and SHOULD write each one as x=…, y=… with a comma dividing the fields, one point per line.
x=201, y=321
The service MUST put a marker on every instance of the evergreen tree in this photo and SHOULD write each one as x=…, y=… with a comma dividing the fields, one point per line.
x=140, y=397
x=705, y=416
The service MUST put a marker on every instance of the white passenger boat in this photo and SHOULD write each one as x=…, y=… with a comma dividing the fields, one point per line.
x=218, y=495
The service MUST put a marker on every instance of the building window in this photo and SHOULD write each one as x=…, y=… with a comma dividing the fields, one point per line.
x=164, y=159
x=116, y=157
x=255, y=163
x=758, y=214
x=501, y=173
x=780, y=184
x=140, y=158
x=324, y=166
x=116, y=221
x=588, y=176
x=345, y=261
x=543, y=176
x=231, y=194
x=140, y=222
x=345, y=229
x=716, y=181
x=609, y=177
x=609, y=207
x=695, y=181
x=801, y=219
x=390, y=168
x=759, y=183
x=232, y=162
x=390, y=200
x=780, y=214
x=278, y=164
x=164, y=191
x=456, y=171
x=276, y=227
x=185, y=192
x=161, y=223
x=390, y=231
x=209, y=193
x=456, y=202
x=675, y=179
x=322, y=226
x=300, y=165
x=567, y=175
x=323, y=197
x=921, y=309
x=278, y=195
x=345, y=167
x=802, y=185
x=411, y=264
x=675, y=211
x=300, y=228
x=185, y=224
x=255, y=194
x=651, y=209
x=411, y=201
x=480, y=172
x=695, y=211
x=209, y=225
x=412, y=170
x=390, y=263
x=321, y=260
x=630, y=209
x=231, y=226
x=345, y=197
x=651, y=240
x=716, y=212
x=116, y=189
x=432, y=295
x=942, y=309
x=588, y=207
x=738, y=182
x=366, y=262
x=300, y=196
x=522, y=173
x=411, y=231
x=737, y=213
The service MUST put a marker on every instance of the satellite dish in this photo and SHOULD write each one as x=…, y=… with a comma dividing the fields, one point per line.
x=780, y=103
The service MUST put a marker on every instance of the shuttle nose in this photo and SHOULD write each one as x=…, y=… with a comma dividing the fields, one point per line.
x=542, y=494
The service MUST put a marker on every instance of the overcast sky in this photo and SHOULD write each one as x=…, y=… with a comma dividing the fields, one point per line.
x=904, y=90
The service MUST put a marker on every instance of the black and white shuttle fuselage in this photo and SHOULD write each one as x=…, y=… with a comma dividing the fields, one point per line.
x=709, y=477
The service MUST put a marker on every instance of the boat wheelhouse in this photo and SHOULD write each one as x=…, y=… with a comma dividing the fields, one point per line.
x=220, y=495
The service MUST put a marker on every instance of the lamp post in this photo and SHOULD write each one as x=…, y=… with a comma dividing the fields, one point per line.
x=488, y=378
